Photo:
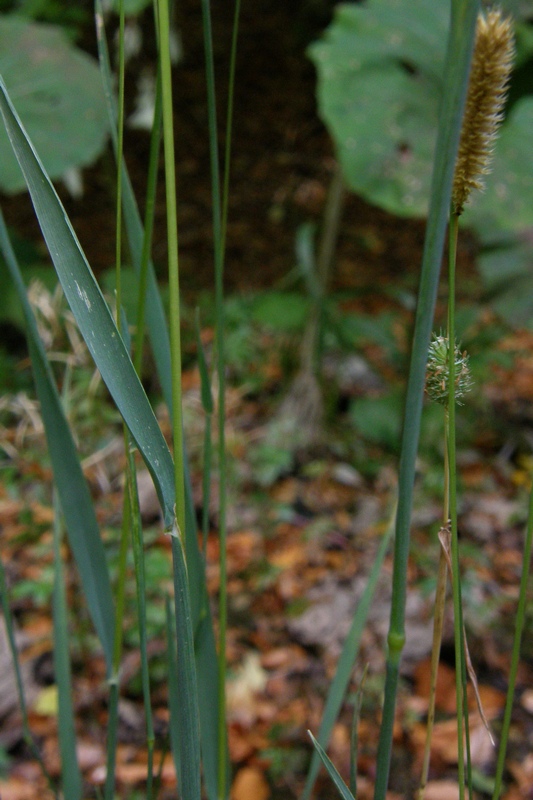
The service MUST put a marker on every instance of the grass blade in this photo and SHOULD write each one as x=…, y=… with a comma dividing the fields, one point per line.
x=187, y=689
x=92, y=313
x=344, y=792
x=71, y=775
x=76, y=503
x=155, y=315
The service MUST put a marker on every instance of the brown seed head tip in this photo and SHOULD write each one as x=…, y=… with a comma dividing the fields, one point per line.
x=487, y=88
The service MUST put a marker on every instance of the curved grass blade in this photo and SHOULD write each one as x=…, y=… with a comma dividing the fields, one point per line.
x=155, y=314
x=92, y=313
x=76, y=503
x=344, y=792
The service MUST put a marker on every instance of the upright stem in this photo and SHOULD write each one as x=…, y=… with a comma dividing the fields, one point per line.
x=219, y=235
x=173, y=268
x=456, y=582
x=515, y=658
x=440, y=600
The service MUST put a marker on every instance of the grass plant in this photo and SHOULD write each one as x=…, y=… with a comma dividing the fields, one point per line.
x=196, y=659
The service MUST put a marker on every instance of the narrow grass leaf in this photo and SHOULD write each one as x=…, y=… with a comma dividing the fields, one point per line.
x=173, y=698
x=344, y=792
x=92, y=313
x=187, y=690
x=347, y=660
x=155, y=314
x=70, y=771
x=76, y=503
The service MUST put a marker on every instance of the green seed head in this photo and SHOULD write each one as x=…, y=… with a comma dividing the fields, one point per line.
x=437, y=375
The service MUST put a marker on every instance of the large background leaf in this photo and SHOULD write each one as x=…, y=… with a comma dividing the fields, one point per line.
x=58, y=93
x=379, y=70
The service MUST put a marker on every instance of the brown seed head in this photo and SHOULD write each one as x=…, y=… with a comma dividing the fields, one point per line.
x=489, y=77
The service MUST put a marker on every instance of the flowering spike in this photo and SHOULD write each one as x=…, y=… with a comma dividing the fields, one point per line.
x=489, y=77
x=437, y=372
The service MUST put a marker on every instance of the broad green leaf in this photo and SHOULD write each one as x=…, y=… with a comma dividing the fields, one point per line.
x=380, y=83
x=58, y=94
x=507, y=273
x=76, y=503
x=506, y=204
x=92, y=313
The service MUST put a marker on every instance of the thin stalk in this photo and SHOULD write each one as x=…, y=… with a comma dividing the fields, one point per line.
x=457, y=64
x=208, y=407
x=189, y=772
x=140, y=582
x=173, y=261
x=229, y=120
x=26, y=731
x=456, y=579
x=120, y=150
x=219, y=241
x=515, y=657
x=438, y=622
x=112, y=725
x=310, y=352
x=155, y=142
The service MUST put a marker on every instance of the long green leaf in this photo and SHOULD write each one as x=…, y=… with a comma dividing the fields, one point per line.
x=76, y=503
x=155, y=314
x=187, y=688
x=72, y=780
x=92, y=313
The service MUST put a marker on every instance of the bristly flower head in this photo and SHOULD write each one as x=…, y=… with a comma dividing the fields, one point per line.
x=437, y=382
x=489, y=77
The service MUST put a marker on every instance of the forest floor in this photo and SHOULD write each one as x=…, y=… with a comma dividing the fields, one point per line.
x=305, y=524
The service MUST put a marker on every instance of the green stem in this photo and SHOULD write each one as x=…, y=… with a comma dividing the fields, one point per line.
x=456, y=580
x=120, y=150
x=219, y=235
x=438, y=622
x=515, y=657
x=140, y=585
x=173, y=267
x=155, y=141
